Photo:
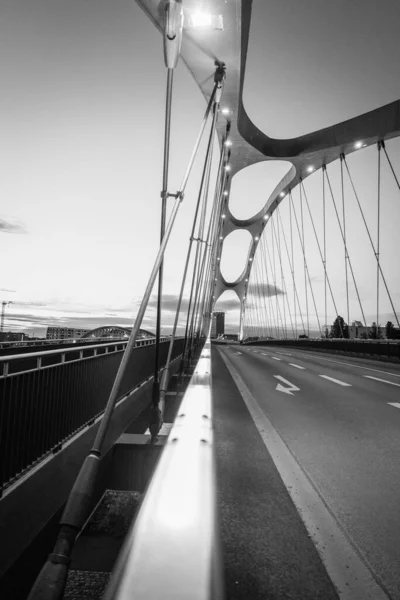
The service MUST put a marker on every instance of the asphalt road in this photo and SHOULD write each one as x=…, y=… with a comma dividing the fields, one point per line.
x=340, y=418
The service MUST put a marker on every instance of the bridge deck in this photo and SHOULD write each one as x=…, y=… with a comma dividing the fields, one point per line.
x=267, y=550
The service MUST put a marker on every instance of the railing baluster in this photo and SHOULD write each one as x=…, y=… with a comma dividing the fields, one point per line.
x=47, y=397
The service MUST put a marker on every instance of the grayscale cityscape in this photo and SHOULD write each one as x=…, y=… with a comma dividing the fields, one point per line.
x=200, y=300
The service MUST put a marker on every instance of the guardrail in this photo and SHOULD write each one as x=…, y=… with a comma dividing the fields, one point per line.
x=49, y=396
x=174, y=544
x=45, y=341
x=9, y=348
x=386, y=348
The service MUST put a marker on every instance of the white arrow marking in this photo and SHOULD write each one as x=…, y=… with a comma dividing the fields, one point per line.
x=289, y=390
x=395, y=404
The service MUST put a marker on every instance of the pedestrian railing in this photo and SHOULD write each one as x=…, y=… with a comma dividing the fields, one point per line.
x=47, y=397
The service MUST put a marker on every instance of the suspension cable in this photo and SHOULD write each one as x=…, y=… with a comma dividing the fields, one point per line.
x=304, y=259
x=346, y=256
x=274, y=278
x=269, y=287
x=371, y=241
x=382, y=143
x=282, y=276
x=341, y=231
x=212, y=243
x=166, y=371
x=378, y=239
x=201, y=228
x=164, y=195
x=263, y=265
x=277, y=243
x=306, y=271
x=267, y=317
x=322, y=259
x=278, y=311
x=291, y=265
x=51, y=579
x=259, y=296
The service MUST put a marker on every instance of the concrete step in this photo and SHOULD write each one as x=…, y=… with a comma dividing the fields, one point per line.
x=97, y=547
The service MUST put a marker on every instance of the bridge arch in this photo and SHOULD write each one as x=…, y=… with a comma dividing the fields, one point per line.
x=115, y=331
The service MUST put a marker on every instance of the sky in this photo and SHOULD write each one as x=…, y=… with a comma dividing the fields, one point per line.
x=81, y=122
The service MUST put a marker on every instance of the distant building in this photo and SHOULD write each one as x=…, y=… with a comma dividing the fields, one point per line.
x=217, y=324
x=231, y=336
x=358, y=330
x=65, y=333
x=12, y=336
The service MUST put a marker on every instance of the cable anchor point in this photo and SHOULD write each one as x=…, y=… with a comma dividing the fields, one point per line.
x=173, y=28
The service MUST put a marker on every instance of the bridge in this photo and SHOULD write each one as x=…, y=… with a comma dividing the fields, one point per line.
x=183, y=467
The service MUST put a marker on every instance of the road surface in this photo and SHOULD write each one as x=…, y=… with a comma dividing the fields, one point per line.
x=340, y=419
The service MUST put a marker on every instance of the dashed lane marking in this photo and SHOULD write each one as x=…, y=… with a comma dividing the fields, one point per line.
x=297, y=366
x=238, y=353
x=276, y=358
x=342, y=362
x=395, y=404
x=264, y=354
x=336, y=381
x=382, y=380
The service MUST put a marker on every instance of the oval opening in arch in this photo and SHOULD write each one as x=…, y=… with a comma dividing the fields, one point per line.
x=234, y=254
x=252, y=186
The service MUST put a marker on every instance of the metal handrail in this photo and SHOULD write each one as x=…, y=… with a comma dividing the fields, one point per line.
x=305, y=340
x=12, y=357
x=49, y=341
x=174, y=544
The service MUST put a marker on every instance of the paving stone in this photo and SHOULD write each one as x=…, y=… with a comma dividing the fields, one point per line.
x=86, y=585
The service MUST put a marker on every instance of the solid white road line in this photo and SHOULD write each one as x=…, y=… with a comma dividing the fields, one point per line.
x=347, y=570
x=396, y=404
x=276, y=358
x=297, y=366
x=336, y=380
x=342, y=362
x=383, y=380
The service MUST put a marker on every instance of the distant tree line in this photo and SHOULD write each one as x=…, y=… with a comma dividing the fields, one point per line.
x=340, y=329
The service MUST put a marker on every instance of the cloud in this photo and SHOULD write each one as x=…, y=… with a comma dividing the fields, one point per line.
x=228, y=305
x=9, y=227
x=265, y=289
x=169, y=303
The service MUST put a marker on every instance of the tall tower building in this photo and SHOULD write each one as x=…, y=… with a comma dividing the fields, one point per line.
x=218, y=324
